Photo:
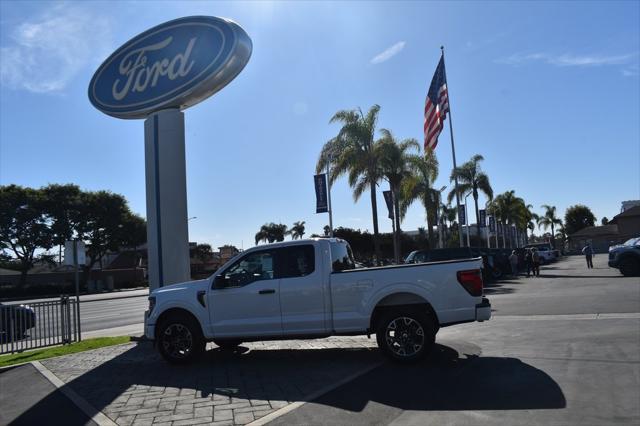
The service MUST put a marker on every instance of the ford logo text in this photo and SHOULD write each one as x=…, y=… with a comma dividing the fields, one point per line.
x=174, y=65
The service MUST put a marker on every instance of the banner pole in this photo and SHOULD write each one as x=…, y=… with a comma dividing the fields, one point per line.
x=453, y=151
x=329, y=200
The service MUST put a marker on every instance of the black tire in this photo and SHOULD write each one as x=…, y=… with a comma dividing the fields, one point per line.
x=227, y=345
x=630, y=267
x=417, y=339
x=179, y=339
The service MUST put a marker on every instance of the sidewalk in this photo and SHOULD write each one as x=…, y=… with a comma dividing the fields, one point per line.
x=132, y=385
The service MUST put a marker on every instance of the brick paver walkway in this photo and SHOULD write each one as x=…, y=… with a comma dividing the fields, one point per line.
x=132, y=385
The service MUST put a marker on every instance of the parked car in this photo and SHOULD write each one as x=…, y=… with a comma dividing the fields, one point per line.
x=15, y=320
x=311, y=289
x=626, y=257
x=546, y=251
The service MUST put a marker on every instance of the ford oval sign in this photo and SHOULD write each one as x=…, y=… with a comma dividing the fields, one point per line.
x=174, y=65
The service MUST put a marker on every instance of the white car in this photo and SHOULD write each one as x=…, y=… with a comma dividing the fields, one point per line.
x=308, y=289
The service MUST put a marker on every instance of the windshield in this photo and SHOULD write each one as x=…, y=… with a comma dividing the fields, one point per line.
x=632, y=242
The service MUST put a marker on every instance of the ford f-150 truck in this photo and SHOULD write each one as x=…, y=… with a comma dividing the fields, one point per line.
x=311, y=289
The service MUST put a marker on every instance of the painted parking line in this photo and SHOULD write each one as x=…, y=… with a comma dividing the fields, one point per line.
x=96, y=415
x=555, y=317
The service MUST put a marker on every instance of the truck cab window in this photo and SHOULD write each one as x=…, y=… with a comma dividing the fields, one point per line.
x=253, y=267
x=341, y=257
x=299, y=261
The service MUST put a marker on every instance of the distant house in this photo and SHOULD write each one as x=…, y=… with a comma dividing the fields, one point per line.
x=601, y=237
x=622, y=227
x=628, y=222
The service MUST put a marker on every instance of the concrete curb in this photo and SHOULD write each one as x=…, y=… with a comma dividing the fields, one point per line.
x=308, y=398
x=95, y=415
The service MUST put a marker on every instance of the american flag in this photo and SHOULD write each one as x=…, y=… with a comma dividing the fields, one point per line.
x=436, y=107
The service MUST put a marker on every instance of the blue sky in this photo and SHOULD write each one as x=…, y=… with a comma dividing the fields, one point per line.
x=548, y=93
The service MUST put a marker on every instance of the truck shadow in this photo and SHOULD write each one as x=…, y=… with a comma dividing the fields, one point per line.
x=447, y=380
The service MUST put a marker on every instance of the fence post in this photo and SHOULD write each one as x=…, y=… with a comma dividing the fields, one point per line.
x=63, y=319
x=11, y=334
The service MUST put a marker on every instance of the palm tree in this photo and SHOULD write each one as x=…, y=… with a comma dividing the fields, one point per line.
x=271, y=232
x=549, y=219
x=297, y=230
x=419, y=186
x=394, y=163
x=471, y=178
x=352, y=152
x=508, y=209
x=448, y=215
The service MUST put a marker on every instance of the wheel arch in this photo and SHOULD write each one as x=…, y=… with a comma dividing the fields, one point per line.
x=401, y=299
x=176, y=311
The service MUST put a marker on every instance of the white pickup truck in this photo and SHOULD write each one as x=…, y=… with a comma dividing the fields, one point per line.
x=311, y=289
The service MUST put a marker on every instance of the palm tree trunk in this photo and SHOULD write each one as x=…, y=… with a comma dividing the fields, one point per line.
x=374, y=210
x=475, y=199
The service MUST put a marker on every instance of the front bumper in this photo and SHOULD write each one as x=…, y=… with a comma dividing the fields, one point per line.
x=149, y=329
x=483, y=310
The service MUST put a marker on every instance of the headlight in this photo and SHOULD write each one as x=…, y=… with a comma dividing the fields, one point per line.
x=152, y=303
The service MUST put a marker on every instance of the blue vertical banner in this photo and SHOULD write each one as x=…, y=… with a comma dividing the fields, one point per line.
x=483, y=218
x=492, y=224
x=462, y=219
x=388, y=198
x=321, y=193
x=500, y=228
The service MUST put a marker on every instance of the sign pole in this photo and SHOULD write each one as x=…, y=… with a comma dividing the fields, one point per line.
x=166, y=187
x=329, y=200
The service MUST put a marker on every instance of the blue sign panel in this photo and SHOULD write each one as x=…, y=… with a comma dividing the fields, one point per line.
x=388, y=198
x=483, y=218
x=320, y=182
x=174, y=65
x=462, y=218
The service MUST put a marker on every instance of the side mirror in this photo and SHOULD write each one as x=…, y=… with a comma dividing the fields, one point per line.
x=220, y=281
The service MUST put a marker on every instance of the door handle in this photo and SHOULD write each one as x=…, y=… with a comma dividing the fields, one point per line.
x=267, y=291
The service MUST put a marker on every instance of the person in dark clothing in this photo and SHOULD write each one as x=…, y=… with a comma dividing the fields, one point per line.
x=528, y=262
x=588, y=254
x=535, y=258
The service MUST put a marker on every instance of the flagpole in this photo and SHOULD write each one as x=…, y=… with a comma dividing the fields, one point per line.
x=453, y=151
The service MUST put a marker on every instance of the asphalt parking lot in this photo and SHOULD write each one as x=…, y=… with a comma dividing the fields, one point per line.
x=561, y=349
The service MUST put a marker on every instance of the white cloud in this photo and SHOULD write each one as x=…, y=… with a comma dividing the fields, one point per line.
x=46, y=53
x=568, y=60
x=388, y=53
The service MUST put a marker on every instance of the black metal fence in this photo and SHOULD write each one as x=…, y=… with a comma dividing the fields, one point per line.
x=37, y=325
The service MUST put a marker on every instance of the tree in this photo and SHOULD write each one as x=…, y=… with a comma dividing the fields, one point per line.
x=471, y=178
x=24, y=225
x=352, y=152
x=549, y=219
x=61, y=204
x=104, y=225
x=203, y=252
x=419, y=186
x=395, y=166
x=578, y=217
x=326, y=230
x=508, y=209
x=604, y=221
x=271, y=233
x=297, y=230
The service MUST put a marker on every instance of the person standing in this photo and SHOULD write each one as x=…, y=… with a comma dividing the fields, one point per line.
x=588, y=254
x=535, y=259
x=528, y=262
x=513, y=259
